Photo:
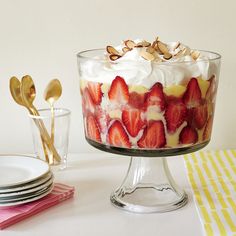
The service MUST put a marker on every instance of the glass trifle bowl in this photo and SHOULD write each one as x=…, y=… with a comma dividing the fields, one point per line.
x=148, y=101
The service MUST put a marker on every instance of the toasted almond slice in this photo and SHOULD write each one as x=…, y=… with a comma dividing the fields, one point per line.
x=146, y=43
x=177, y=45
x=112, y=50
x=146, y=55
x=155, y=46
x=139, y=45
x=130, y=44
x=150, y=49
x=114, y=57
x=195, y=55
x=126, y=49
x=186, y=51
x=167, y=56
x=163, y=48
x=157, y=57
x=179, y=53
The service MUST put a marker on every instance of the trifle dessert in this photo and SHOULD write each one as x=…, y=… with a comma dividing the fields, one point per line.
x=148, y=97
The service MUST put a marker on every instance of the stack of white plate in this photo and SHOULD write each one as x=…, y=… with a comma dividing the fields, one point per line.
x=23, y=179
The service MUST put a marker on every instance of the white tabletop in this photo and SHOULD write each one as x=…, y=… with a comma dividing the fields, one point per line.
x=91, y=213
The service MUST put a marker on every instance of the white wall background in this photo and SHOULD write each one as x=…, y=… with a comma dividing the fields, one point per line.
x=41, y=38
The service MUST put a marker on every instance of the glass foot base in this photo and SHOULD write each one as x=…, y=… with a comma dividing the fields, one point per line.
x=148, y=187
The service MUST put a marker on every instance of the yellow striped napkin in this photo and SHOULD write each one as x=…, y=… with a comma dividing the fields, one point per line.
x=212, y=176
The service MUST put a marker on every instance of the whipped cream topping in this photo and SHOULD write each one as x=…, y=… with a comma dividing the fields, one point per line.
x=136, y=70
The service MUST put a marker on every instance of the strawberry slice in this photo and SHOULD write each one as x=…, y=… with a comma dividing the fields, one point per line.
x=156, y=97
x=200, y=115
x=211, y=91
x=173, y=99
x=132, y=120
x=119, y=91
x=188, y=135
x=93, y=129
x=95, y=92
x=175, y=115
x=117, y=135
x=153, y=136
x=88, y=104
x=136, y=100
x=208, y=129
x=192, y=96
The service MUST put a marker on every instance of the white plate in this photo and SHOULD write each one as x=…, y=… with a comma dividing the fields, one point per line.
x=18, y=170
x=25, y=196
x=29, y=185
x=30, y=199
x=26, y=191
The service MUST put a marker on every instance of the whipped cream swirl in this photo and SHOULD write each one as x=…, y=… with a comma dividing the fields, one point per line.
x=136, y=70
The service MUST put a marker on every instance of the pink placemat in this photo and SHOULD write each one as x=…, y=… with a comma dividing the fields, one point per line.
x=12, y=215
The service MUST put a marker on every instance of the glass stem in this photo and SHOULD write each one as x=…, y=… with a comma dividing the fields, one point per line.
x=148, y=187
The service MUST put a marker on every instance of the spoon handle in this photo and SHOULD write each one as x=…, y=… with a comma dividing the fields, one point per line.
x=52, y=123
x=32, y=112
x=46, y=137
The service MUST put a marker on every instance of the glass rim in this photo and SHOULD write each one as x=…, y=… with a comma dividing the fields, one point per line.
x=81, y=55
x=66, y=112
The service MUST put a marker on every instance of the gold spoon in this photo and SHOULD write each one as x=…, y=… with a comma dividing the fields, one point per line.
x=51, y=94
x=16, y=94
x=28, y=94
x=15, y=91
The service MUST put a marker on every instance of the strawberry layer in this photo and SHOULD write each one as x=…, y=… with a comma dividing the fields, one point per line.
x=137, y=117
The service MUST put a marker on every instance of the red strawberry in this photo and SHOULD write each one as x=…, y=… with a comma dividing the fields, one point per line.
x=211, y=91
x=87, y=101
x=156, y=97
x=136, y=100
x=119, y=91
x=117, y=135
x=172, y=98
x=188, y=135
x=153, y=136
x=200, y=115
x=175, y=115
x=131, y=118
x=190, y=117
x=208, y=129
x=192, y=96
x=93, y=129
x=95, y=92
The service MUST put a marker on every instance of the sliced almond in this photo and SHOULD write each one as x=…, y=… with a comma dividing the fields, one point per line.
x=130, y=44
x=179, y=53
x=195, y=55
x=150, y=50
x=148, y=56
x=186, y=51
x=155, y=46
x=114, y=57
x=112, y=50
x=146, y=44
x=126, y=49
x=163, y=48
x=167, y=56
x=139, y=45
x=157, y=57
x=177, y=45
